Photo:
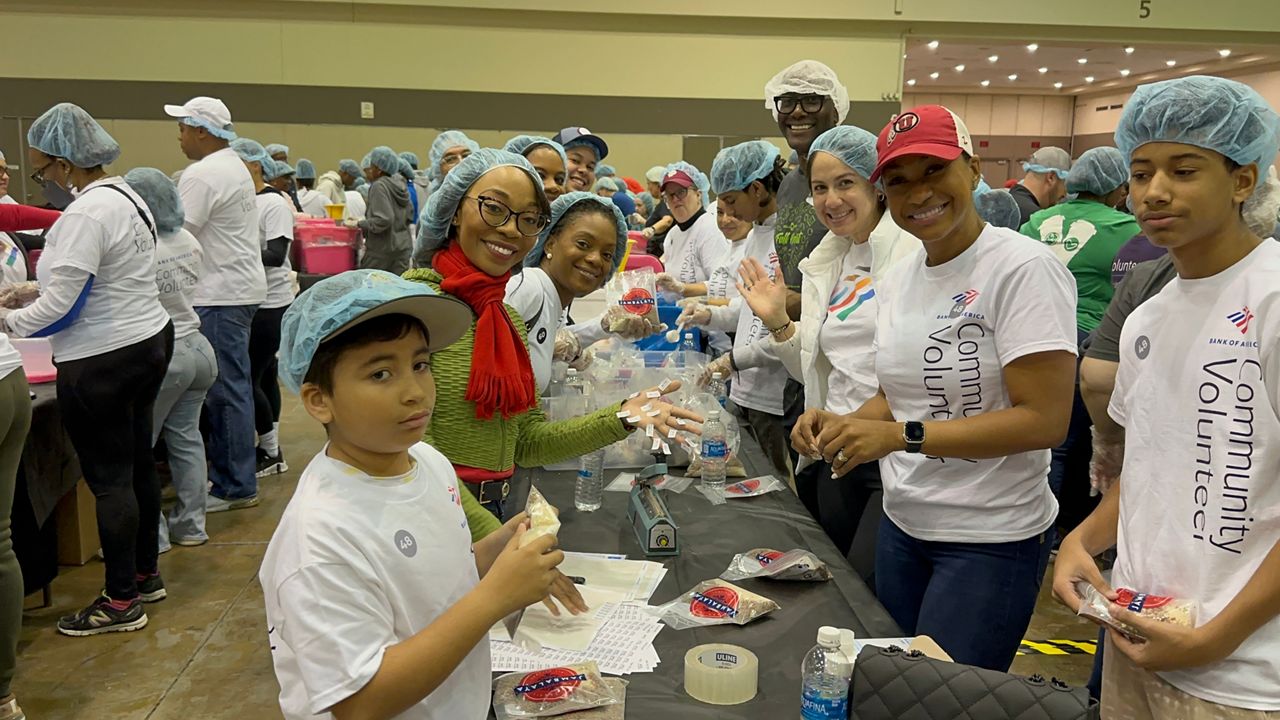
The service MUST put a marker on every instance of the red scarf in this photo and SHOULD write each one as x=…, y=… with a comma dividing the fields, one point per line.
x=501, y=375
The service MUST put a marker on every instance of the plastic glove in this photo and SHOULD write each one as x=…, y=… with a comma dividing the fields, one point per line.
x=583, y=361
x=666, y=282
x=19, y=295
x=722, y=365
x=351, y=223
x=694, y=314
x=628, y=325
x=1108, y=459
x=566, y=346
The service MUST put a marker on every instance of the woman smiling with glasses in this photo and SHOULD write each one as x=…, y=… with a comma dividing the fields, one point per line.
x=695, y=247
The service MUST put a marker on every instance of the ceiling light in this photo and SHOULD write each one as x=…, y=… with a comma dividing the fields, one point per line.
x=1170, y=63
x=1044, y=70
x=912, y=81
x=1058, y=85
x=960, y=68
x=992, y=58
x=904, y=56
x=1128, y=51
x=933, y=76
x=1033, y=47
x=1088, y=78
x=933, y=45
x=1013, y=77
x=1124, y=73
x=985, y=83
x=1224, y=53
x=1082, y=61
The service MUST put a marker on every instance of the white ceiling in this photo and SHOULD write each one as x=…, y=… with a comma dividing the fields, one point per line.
x=1105, y=62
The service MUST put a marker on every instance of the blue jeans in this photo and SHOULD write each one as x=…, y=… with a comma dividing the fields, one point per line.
x=975, y=599
x=233, y=462
x=191, y=373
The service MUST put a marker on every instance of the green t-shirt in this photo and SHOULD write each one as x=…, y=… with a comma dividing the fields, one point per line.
x=1085, y=235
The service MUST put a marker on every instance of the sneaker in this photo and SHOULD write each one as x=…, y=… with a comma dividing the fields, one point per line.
x=189, y=541
x=215, y=504
x=151, y=589
x=9, y=709
x=271, y=464
x=100, y=618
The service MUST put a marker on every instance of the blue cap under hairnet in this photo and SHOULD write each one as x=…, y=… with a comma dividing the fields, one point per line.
x=161, y=195
x=700, y=180
x=306, y=170
x=442, y=206
x=383, y=158
x=277, y=148
x=349, y=167
x=252, y=151
x=440, y=146
x=558, y=210
x=524, y=144
x=67, y=131
x=738, y=166
x=625, y=203
x=851, y=145
x=337, y=303
x=1225, y=116
x=1098, y=172
x=999, y=208
x=411, y=158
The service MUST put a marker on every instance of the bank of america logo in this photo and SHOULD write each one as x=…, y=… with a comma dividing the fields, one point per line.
x=966, y=298
x=1241, y=319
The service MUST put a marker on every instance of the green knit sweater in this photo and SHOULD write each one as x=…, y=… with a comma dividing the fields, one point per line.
x=528, y=439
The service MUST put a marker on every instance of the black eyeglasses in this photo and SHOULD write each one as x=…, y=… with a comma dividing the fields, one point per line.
x=38, y=176
x=496, y=214
x=787, y=104
x=677, y=196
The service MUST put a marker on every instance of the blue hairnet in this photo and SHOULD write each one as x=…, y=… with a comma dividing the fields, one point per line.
x=279, y=169
x=646, y=199
x=700, y=180
x=605, y=183
x=983, y=187
x=999, y=208
x=406, y=170
x=385, y=159
x=67, y=131
x=1225, y=116
x=349, y=167
x=366, y=162
x=1098, y=172
x=603, y=170
x=851, y=145
x=360, y=182
x=440, y=146
x=442, y=205
x=411, y=158
x=252, y=151
x=161, y=195
x=558, y=210
x=624, y=202
x=277, y=148
x=306, y=170
x=737, y=167
x=523, y=144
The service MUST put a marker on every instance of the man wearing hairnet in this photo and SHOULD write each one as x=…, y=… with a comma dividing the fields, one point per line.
x=312, y=201
x=387, y=242
x=1043, y=185
x=658, y=220
x=332, y=184
x=1186, y=450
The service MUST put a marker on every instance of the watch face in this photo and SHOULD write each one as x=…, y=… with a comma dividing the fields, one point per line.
x=915, y=432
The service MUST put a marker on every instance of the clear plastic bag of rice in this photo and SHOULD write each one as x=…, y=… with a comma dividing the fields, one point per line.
x=715, y=602
x=800, y=565
x=555, y=691
x=1156, y=607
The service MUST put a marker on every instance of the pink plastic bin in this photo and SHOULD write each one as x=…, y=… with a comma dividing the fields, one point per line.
x=37, y=359
x=325, y=248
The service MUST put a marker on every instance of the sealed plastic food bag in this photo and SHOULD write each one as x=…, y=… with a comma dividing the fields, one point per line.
x=715, y=602
x=631, y=304
x=1155, y=607
x=543, y=519
x=753, y=487
x=554, y=691
x=799, y=565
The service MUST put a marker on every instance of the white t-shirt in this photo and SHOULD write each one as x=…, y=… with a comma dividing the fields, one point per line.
x=532, y=293
x=104, y=235
x=358, y=564
x=356, y=206
x=178, y=262
x=944, y=336
x=691, y=255
x=848, y=334
x=217, y=195
x=761, y=387
x=1198, y=392
x=723, y=282
x=275, y=219
x=13, y=264
x=313, y=202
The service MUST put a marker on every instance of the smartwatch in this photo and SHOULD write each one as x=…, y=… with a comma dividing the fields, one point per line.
x=913, y=436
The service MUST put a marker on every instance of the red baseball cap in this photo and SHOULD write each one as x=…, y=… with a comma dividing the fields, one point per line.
x=931, y=130
x=677, y=177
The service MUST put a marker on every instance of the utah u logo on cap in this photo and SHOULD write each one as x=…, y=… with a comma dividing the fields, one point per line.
x=902, y=123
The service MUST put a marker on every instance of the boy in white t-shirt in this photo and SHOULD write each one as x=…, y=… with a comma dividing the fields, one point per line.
x=377, y=603
x=1195, y=510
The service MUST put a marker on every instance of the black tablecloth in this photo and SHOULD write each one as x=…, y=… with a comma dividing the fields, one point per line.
x=709, y=537
x=49, y=463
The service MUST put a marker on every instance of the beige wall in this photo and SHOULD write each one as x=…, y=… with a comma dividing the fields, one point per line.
x=1007, y=115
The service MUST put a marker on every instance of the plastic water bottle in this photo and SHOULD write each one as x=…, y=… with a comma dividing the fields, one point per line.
x=826, y=672
x=715, y=452
x=718, y=388
x=588, y=494
x=688, y=344
x=573, y=383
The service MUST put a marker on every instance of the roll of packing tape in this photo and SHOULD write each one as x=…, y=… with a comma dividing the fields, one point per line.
x=720, y=674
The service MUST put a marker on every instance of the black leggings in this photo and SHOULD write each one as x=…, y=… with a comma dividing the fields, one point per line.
x=264, y=343
x=106, y=403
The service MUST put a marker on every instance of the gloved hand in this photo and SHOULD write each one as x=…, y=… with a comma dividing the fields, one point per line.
x=722, y=365
x=19, y=295
x=1108, y=459
x=349, y=223
x=584, y=360
x=628, y=325
x=666, y=282
x=566, y=347
x=694, y=314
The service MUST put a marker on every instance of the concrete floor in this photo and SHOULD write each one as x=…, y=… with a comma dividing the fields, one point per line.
x=204, y=653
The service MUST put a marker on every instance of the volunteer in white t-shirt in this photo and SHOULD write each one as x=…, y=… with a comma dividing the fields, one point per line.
x=830, y=348
x=694, y=248
x=275, y=233
x=975, y=359
x=192, y=369
x=218, y=198
x=112, y=341
x=1195, y=510
x=312, y=202
x=575, y=255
